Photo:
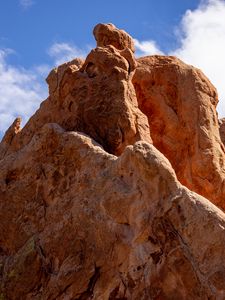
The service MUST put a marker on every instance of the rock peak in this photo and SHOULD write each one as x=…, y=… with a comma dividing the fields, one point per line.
x=108, y=34
x=101, y=191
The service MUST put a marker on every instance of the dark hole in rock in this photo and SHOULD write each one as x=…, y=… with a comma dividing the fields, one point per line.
x=70, y=106
x=11, y=176
x=156, y=256
x=91, y=70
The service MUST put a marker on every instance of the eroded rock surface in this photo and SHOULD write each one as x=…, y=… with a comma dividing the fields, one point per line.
x=108, y=34
x=96, y=97
x=90, y=208
x=92, y=225
x=222, y=130
x=180, y=103
x=8, y=137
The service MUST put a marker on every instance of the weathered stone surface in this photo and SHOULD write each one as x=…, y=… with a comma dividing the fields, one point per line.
x=92, y=225
x=96, y=97
x=7, y=139
x=108, y=34
x=106, y=218
x=180, y=103
x=222, y=130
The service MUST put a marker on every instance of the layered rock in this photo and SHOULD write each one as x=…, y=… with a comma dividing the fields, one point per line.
x=90, y=208
x=180, y=103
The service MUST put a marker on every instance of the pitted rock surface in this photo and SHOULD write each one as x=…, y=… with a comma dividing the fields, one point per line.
x=95, y=97
x=94, y=205
x=108, y=34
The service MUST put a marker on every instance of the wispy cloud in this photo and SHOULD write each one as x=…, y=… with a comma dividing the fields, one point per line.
x=201, y=35
x=144, y=48
x=62, y=52
x=20, y=92
x=26, y=4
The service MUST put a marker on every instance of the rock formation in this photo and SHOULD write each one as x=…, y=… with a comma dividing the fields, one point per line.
x=94, y=204
x=96, y=97
x=108, y=34
x=180, y=103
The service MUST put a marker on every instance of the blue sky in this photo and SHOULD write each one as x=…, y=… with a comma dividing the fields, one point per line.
x=31, y=27
x=36, y=35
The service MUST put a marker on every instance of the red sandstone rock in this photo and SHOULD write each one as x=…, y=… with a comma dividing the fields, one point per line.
x=96, y=97
x=222, y=130
x=108, y=34
x=9, y=136
x=80, y=223
x=180, y=103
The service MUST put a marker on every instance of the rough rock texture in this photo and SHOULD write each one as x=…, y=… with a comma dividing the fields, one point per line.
x=90, y=208
x=9, y=136
x=222, y=130
x=96, y=97
x=180, y=103
x=108, y=34
x=94, y=226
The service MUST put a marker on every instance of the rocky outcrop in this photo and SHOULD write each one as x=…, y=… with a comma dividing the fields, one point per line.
x=92, y=225
x=96, y=97
x=180, y=103
x=108, y=34
x=95, y=206
x=9, y=136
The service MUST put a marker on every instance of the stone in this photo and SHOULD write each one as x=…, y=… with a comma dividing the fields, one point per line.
x=180, y=103
x=93, y=225
x=10, y=134
x=108, y=34
x=94, y=205
x=222, y=130
x=96, y=97
x=110, y=111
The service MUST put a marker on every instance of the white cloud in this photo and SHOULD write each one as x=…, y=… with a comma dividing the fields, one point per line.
x=25, y=4
x=202, y=33
x=42, y=70
x=20, y=92
x=144, y=48
x=62, y=52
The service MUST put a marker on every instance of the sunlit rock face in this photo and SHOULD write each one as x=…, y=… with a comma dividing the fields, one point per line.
x=180, y=103
x=101, y=191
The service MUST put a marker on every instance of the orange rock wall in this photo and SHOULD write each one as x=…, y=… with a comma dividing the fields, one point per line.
x=101, y=191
